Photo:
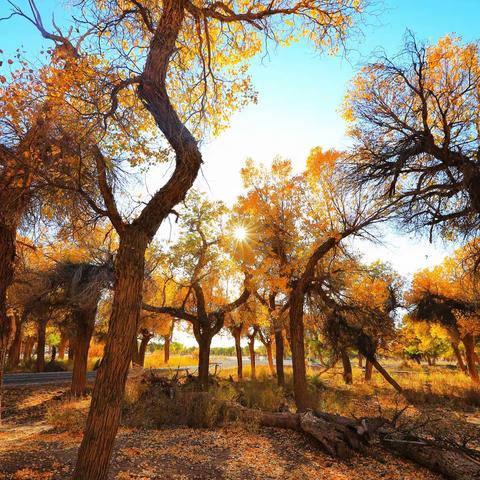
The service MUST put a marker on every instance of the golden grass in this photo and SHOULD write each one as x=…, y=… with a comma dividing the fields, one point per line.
x=155, y=360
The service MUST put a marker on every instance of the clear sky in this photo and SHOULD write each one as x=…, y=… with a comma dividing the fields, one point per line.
x=300, y=93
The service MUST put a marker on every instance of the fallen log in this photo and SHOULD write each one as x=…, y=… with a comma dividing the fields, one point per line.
x=454, y=463
x=342, y=436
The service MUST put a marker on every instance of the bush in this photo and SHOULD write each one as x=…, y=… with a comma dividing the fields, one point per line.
x=186, y=406
x=55, y=366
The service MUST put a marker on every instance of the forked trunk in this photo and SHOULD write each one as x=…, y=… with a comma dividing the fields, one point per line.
x=85, y=322
x=279, y=352
x=41, y=337
x=15, y=347
x=204, y=360
x=469, y=343
x=347, y=367
x=368, y=370
x=104, y=415
x=238, y=351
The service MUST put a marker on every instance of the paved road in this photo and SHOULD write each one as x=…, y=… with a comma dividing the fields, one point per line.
x=24, y=379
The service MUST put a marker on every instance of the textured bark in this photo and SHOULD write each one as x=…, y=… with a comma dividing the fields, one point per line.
x=62, y=346
x=368, y=370
x=15, y=347
x=103, y=418
x=135, y=353
x=279, y=353
x=84, y=323
x=469, y=343
x=41, y=334
x=347, y=367
x=204, y=360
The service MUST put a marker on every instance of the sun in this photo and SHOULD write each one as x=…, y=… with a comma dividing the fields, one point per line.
x=240, y=234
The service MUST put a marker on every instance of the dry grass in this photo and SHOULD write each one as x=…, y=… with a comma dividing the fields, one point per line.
x=155, y=360
x=68, y=415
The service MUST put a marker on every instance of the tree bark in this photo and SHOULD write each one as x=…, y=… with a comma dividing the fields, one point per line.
x=347, y=367
x=85, y=323
x=62, y=346
x=41, y=337
x=53, y=353
x=146, y=337
x=15, y=347
x=135, y=353
x=368, y=370
x=104, y=415
x=166, y=348
x=469, y=343
x=279, y=353
x=238, y=350
x=28, y=348
x=251, y=349
x=300, y=387
x=360, y=360
x=268, y=347
x=204, y=360
x=8, y=231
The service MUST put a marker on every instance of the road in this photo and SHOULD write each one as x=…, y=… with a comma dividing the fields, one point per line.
x=25, y=379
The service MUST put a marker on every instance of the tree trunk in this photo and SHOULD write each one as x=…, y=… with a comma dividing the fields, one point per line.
x=135, y=353
x=300, y=387
x=41, y=336
x=62, y=346
x=53, y=353
x=386, y=375
x=347, y=367
x=84, y=322
x=28, y=348
x=469, y=343
x=146, y=336
x=204, y=360
x=166, y=348
x=268, y=347
x=7, y=259
x=360, y=360
x=251, y=349
x=238, y=351
x=15, y=347
x=279, y=352
x=104, y=415
x=368, y=370
x=429, y=360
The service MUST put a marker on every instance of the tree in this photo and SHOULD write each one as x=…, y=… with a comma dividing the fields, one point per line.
x=201, y=266
x=413, y=120
x=181, y=56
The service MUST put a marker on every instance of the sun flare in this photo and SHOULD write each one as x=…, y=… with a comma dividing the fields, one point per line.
x=240, y=233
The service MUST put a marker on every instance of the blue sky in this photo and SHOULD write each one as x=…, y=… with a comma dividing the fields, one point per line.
x=300, y=92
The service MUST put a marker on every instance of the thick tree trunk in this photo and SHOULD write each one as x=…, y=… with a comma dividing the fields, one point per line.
x=347, y=367
x=135, y=353
x=146, y=337
x=15, y=347
x=238, y=351
x=300, y=387
x=166, y=348
x=71, y=348
x=104, y=416
x=251, y=349
x=62, y=346
x=84, y=322
x=458, y=356
x=279, y=353
x=368, y=370
x=41, y=337
x=469, y=343
x=204, y=360
x=7, y=259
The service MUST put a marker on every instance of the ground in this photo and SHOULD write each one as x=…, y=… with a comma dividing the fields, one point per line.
x=42, y=431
